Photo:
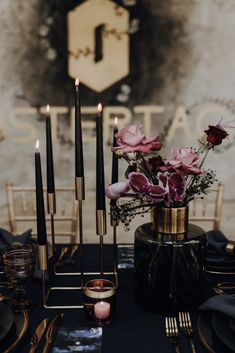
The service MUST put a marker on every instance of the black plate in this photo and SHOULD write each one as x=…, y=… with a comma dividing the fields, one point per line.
x=20, y=326
x=223, y=330
x=207, y=336
x=7, y=320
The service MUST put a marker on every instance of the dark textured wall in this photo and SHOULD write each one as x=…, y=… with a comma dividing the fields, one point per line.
x=159, y=50
x=181, y=52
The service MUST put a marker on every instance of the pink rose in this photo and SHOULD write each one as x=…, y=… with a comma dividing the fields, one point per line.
x=131, y=140
x=185, y=161
x=114, y=191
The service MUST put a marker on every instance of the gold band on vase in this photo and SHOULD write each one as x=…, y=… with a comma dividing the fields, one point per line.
x=171, y=222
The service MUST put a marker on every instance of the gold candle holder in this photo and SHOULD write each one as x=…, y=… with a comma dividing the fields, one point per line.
x=101, y=222
x=42, y=257
x=80, y=188
x=101, y=231
x=51, y=210
x=114, y=221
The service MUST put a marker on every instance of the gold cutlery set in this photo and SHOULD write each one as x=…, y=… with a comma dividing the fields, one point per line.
x=50, y=332
x=70, y=260
x=174, y=326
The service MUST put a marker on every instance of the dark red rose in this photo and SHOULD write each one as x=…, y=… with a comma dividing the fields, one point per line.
x=154, y=163
x=216, y=134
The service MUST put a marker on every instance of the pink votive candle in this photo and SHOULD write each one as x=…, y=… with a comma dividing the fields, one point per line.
x=102, y=310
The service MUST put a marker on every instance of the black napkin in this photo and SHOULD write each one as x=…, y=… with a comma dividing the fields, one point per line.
x=217, y=257
x=224, y=304
x=7, y=239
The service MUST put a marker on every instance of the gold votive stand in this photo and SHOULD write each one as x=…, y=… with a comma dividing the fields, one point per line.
x=101, y=231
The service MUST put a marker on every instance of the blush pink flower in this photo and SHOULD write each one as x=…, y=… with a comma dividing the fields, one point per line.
x=184, y=161
x=114, y=191
x=131, y=140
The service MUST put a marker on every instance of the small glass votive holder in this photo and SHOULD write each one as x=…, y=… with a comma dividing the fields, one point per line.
x=99, y=301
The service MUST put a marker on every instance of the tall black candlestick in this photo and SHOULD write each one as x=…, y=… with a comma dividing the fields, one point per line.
x=79, y=167
x=114, y=159
x=41, y=223
x=100, y=183
x=49, y=154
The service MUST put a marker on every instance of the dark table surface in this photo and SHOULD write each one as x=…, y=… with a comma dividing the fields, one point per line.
x=133, y=329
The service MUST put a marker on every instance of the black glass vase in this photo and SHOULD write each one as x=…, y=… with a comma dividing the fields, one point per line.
x=170, y=268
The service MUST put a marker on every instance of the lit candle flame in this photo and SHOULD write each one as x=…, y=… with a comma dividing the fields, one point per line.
x=48, y=109
x=99, y=108
x=116, y=121
x=77, y=82
x=37, y=146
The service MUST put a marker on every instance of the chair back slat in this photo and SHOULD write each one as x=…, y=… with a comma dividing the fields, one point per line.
x=22, y=210
x=209, y=208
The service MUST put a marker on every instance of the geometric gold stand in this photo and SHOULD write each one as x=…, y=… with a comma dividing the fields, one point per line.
x=47, y=291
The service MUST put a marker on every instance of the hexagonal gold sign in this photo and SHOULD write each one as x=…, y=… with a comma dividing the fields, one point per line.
x=98, y=43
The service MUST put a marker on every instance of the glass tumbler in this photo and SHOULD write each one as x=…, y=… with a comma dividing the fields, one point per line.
x=99, y=301
x=19, y=264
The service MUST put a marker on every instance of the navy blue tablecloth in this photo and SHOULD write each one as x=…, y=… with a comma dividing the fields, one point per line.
x=133, y=329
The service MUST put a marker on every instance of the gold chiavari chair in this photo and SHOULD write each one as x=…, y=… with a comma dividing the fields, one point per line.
x=21, y=203
x=208, y=210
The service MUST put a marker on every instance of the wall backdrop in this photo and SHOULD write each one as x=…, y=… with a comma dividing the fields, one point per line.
x=169, y=64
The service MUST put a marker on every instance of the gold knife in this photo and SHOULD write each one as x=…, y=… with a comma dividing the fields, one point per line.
x=35, y=339
x=52, y=331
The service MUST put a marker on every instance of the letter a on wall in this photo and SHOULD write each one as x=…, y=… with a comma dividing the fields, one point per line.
x=98, y=43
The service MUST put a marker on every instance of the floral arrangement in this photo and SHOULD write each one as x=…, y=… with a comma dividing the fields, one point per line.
x=152, y=180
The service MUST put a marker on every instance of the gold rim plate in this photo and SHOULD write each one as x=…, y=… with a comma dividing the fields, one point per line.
x=21, y=322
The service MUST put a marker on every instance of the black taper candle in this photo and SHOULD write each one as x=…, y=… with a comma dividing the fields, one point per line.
x=79, y=167
x=41, y=222
x=49, y=154
x=114, y=178
x=100, y=183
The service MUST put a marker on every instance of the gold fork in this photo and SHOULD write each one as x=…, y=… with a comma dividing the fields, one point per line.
x=172, y=332
x=186, y=328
